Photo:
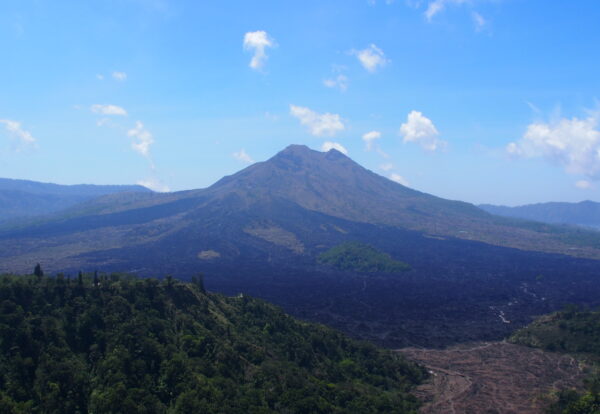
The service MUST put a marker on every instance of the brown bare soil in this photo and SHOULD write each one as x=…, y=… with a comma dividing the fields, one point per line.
x=493, y=377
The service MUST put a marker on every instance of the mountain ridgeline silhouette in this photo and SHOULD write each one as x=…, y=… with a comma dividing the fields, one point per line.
x=297, y=181
x=585, y=213
x=262, y=230
x=333, y=184
x=23, y=198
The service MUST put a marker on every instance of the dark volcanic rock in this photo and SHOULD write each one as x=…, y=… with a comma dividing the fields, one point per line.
x=261, y=230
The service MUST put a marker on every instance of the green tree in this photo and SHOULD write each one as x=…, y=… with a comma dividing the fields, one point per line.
x=38, y=271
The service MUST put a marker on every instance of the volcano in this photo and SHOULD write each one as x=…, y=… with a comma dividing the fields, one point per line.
x=261, y=231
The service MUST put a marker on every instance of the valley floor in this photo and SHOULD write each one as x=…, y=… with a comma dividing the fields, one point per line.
x=493, y=378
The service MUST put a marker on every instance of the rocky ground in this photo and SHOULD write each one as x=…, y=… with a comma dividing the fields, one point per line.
x=493, y=378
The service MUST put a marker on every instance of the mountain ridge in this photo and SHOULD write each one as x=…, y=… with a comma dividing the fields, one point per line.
x=584, y=213
x=23, y=199
x=333, y=184
x=261, y=231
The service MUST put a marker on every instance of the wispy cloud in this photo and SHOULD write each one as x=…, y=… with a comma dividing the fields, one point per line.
x=142, y=139
x=339, y=82
x=534, y=108
x=257, y=42
x=243, y=156
x=479, y=21
x=318, y=124
x=415, y=4
x=108, y=110
x=16, y=131
x=583, y=184
x=120, y=76
x=370, y=137
x=436, y=6
x=154, y=185
x=328, y=145
x=371, y=58
x=374, y=2
x=421, y=130
x=399, y=179
x=572, y=143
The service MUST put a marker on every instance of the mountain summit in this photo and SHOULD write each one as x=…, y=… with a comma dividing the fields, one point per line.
x=264, y=229
x=333, y=184
x=266, y=201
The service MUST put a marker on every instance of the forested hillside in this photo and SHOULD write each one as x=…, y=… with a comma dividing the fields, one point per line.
x=118, y=344
x=573, y=331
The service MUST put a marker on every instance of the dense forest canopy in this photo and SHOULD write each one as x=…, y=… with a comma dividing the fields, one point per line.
x=119, y=344
x=360, y=257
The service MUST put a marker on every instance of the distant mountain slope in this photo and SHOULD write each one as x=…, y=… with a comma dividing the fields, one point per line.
x=262, y=230
x=328, y=183
x=22, y=198
x=117, y=344
x=584, y=213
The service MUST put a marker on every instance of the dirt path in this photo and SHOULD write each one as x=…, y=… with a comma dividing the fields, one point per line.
x=492, y=378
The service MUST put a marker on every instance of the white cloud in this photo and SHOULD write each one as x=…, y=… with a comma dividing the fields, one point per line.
x=15, y=130
x=319, y=124
x=120, y=76
x=399, y=179
x=108, y=110
x=258, y=42
x=370, y=137
x=371, y=58
x=583, y=184
x=100, y=77
x=328, y=145
x=479, y=21
x=154, y=185
x=420, y=130
x=573, y=144
x=436, y=6
x=241, y=155
x=142, y=139
x=340, y=82
x=374, y=2
x=387, y=166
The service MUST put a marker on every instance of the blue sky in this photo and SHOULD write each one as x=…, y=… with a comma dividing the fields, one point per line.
x=480, y=100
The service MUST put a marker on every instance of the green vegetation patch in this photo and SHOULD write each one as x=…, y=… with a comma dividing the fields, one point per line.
x=572, y=331
x=360, y=257
x=118, y=344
